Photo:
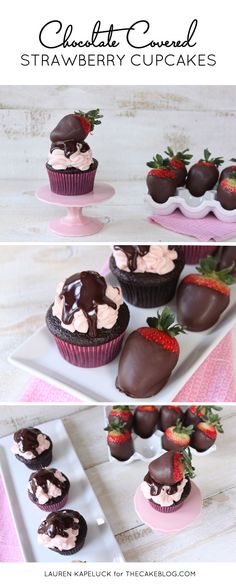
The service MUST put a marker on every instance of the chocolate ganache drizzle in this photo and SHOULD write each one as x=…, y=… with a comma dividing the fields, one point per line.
x=57, y=523
x=26, y=439
x=85, y=291
x=155, y=488
x=132, y=252
x=40, y=478
x=67, y=134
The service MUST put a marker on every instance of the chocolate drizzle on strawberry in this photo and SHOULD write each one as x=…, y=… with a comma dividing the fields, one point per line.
x=85, y=291
x=41, y=478
x=132, y=252
x=27, y=440
x=57, y=523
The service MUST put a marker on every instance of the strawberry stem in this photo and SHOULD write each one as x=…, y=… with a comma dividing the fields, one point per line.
x=159, y=162
x=92, y=116
x=186, y=459
x=207, y=267
x=183, y=156
x=164, y=321
x=207, y=158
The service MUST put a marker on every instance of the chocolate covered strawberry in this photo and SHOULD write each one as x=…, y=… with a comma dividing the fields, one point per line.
x=202, y=297
x=178, y=163
x=120, y=441
x=73, y=129
x=226, y=192
x=203, y=175
x=145, y=421
x=121, y=414
x=226, y=257
x=226, y=171
x=195, y=414
x=161, y=179
x=169, y=416
x=205, y=433
x=177, y=437
x=149, y=356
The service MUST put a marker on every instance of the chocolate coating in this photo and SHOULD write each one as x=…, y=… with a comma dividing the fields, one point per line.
x=145, y=422
x=226, y=198
x=227, y=257
x=125, y=417
x=122, y=450
x=57, y=522
x=199, y=308
x=67, y=133
x=200, y=441
x=144, y=367
x=132, y=252
x=27, y=439
x=168, y=417
x=41, y=477
x=181, y=174
x=201, y=178
x=191, y=418
x=161, y=469
x=168, y=444
x=226, y=172
x=160, y=189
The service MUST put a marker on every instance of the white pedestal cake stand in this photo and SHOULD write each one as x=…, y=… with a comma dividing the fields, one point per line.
x=74, y=223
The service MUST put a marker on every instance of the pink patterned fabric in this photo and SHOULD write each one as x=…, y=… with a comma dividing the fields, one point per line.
x=40, y=391
x=9, y=546
x=203, y=229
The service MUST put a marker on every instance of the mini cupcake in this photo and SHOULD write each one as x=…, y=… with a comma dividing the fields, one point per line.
x=63, y=532
x=194, y=253
x=148, y=274
x=167, y=483
x=71, y=167
x=32, y=447
x=48, y=489
x=88, y=320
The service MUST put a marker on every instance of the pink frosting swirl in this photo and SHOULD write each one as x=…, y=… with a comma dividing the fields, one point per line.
x=62, y=543
x=106, y=315
x=43, y=444
x=158, y=260
x=80, y=160
x=53, y=491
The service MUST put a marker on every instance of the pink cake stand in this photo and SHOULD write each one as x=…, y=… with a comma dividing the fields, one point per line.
x=169, y=522
x=74, y=223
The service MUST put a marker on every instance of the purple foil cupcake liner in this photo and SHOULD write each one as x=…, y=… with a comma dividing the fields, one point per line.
x=53, y=506
x=90, y=356
x=149, y=296
x=170, y=509
x=71, y=183
x=194, y=253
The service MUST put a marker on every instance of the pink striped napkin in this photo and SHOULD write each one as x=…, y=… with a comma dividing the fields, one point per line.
x=203, y=229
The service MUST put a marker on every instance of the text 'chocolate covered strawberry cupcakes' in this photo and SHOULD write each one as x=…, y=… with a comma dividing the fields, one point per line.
x=88, y=320
x=71, y=167
x=148, y=274
x=149, y=355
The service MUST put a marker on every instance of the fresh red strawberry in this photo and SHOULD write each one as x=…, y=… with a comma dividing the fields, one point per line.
x=148, y=356
x=145, y=420
x=226, y=171
x=121, y=414
x=120, y=441
x=226, y=192
x=205, y=433
x=161, y=179
x=177, y=437
x=178, y=162
x=196, y=413
x=88, y=120
x=203, y=175
x=202, y=297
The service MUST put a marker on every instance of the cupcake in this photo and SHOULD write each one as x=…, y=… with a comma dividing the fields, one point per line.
x=48, y=488
x=88, y=320
x=32, y=447
x=167, y=483
x=71, y=167
x=194, y=253
x=63, y=532
x=148, y=274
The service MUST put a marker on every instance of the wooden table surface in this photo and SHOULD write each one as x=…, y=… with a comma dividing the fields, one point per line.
x=212, y=537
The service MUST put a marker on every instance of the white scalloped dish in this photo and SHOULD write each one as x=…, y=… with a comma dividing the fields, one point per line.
x=193, y=207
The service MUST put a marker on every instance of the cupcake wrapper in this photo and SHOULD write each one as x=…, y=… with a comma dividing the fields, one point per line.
x=149, y=296
x=53, y=506
x=71, y=184
x=194, y=253
x=166, y=509
x=93, y=356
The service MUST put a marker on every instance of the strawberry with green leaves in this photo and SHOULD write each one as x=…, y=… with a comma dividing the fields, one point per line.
x=203, y=296
x=204, y=174
x=149, y=356
x=205, y=433
x=198, y=413
x=177, y=437
x=145, y=421
x=169, y=416
x=121, y=414
x=178, y=163
x=73, y=129
x=226, y=192
x=120, y=441
x=161, y=179
x=226, y=171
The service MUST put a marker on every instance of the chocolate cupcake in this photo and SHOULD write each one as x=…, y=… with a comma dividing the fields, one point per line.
x=63, y=532
x=71, y=167
x=48, y=489
x=148, y=274
x=194, y=253
x=88, y=320
x=32, y=447
x=167, y=483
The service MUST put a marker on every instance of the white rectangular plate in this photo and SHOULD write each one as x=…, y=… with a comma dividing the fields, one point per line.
x=100, y=544
x=39, y=356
